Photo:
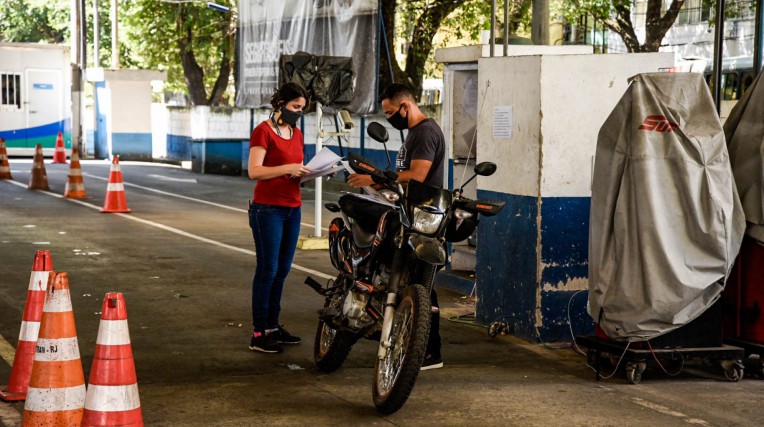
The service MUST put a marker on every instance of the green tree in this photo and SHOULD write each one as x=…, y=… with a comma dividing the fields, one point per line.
x=615, y=15
x=193, y=43
x=422, y=19
x=33, y=21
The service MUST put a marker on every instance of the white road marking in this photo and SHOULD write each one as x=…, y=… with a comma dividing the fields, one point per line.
x=167, y=178
x=668, y=411
x=180, y=196
x=176, y=231
x=7, y=352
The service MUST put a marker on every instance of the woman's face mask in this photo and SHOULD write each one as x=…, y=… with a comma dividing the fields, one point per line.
x=398, y=121
x=290, y=117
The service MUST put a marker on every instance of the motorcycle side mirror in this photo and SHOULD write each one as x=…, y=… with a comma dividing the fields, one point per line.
x=482, y=169
x=377, y=132
x=485, y=168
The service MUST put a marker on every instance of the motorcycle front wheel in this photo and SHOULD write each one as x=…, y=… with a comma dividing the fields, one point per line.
x=331, y=347
x=396, y=373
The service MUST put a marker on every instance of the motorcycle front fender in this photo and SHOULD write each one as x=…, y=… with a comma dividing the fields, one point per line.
x=428, y=249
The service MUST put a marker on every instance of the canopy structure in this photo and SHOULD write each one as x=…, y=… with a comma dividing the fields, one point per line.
x=744, y=130
x=666, y=220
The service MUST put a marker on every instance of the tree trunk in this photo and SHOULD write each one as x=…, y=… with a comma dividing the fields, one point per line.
x=656, y=26
x=426, y=26
x=385, y=79
x=191, y=70
x=224, y=73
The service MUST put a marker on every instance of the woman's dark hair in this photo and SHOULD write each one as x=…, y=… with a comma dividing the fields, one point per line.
x=289, y=92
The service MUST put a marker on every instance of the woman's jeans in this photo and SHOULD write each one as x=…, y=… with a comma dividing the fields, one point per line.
x=275, y=230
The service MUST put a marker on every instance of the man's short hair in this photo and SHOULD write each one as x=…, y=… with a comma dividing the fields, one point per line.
x=396, y=92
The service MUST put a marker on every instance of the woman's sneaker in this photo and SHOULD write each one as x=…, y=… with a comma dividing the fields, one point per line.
x=431, y=363
x=282, y=336
x=265, y=343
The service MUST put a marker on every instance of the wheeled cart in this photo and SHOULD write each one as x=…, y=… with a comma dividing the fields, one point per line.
x=601, y=352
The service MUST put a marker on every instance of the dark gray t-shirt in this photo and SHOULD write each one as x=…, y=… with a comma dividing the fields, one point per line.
x=424, y=141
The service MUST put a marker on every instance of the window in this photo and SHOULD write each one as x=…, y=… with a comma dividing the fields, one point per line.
x=729, y=86
x=748, y=78
x=10, y=91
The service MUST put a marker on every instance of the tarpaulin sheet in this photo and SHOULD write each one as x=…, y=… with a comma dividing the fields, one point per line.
x=744, y=129
x=339, y=28
x=666, y=220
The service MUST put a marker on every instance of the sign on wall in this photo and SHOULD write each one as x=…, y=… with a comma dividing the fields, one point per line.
x=269, y=29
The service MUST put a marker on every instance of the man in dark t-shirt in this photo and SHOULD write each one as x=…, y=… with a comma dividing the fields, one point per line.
x=421, y=158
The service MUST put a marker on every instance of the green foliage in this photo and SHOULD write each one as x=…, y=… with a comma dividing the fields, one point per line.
x=33, y=21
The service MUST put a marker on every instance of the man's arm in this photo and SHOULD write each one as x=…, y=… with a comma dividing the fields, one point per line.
x=418, y=172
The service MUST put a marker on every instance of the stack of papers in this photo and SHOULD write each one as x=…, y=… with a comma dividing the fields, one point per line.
x=322, y=164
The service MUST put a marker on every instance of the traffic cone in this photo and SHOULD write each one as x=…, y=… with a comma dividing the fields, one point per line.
x=30, y=326
x=60, y=155
x=112, y=396
x=5, y=167
x=38, y=180
x=115, y=192
x=56, y=395
x=75, y=187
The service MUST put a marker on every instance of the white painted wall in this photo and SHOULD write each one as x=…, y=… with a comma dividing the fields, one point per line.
x=132, y=112
x=559, y=104
x=577, y=94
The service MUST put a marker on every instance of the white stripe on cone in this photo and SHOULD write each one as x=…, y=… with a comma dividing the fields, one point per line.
x=75, y=172
x=55, y=399
x=57, y=350
x=58, y=302
x=112, y=398
x=29, y=331
x=115, y=187
x=38, y=281
x=113, y=332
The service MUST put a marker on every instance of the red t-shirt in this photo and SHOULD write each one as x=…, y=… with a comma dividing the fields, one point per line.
x=282, y=190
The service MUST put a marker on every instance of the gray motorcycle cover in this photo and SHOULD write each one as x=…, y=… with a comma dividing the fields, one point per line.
x=745, y=133
x=666, y=221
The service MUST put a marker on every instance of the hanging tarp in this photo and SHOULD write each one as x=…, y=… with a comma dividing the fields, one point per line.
x=666, y=223
x=328, y=79
x=744, y=129
x=331, y=28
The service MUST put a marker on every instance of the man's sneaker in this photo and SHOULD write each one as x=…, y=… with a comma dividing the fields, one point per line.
x=265, y=343
x=282, y=336
x=431, y=363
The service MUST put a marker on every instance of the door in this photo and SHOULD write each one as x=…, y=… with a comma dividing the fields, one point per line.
x=45, y=107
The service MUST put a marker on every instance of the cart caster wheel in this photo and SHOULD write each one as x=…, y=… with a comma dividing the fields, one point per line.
x=733, y=370
x=634, y=371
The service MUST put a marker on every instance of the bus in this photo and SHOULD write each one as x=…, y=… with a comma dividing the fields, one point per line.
x=35, y=97
x=737, y=76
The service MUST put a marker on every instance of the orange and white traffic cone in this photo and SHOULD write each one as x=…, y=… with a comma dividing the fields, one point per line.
x=112, y=396
x=75, y=187
x=116, y=201
x=38, y=180
x=30, y=326
x=59, y=156
x=56, y=395
x=5, y=167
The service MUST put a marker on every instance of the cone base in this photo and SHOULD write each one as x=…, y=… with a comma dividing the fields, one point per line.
x=75, y=196
x=59, y=162
x=116, y=210
x=8, y=396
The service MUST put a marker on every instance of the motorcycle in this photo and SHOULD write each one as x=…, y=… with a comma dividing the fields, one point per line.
x=387, y=249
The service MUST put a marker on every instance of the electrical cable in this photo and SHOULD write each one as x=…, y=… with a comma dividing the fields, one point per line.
x=661, y=365
x=474, y=134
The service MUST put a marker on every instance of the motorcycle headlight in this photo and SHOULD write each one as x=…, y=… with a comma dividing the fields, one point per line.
x=426, y=222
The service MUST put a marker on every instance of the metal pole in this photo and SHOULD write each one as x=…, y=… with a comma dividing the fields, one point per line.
x=506, y=27
x=718, y=54
x=114, y=38
x=317, y=181
x=758, y=41
x=96, y=31
x=493, y=26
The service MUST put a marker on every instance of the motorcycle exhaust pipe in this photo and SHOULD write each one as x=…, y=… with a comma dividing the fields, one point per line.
x=315, y=286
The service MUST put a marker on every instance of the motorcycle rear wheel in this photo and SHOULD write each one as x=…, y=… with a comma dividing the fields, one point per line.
x=396, y=374
x=331, y=347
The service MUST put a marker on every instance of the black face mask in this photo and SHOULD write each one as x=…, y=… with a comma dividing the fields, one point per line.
x=290, y=117
x=397, y=121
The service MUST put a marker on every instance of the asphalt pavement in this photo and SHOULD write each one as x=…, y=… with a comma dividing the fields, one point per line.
x=184, y=259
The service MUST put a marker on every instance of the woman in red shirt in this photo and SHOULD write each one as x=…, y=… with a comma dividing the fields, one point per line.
x=276, y=162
